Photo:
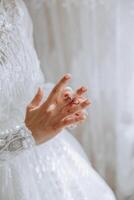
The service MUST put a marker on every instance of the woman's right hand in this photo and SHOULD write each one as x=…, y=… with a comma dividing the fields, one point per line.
x=47, y=119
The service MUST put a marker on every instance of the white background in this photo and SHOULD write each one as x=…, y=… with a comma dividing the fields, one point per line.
x=94, y=40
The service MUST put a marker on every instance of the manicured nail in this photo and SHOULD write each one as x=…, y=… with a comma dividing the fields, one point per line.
x=39, y=90
x=67, y=76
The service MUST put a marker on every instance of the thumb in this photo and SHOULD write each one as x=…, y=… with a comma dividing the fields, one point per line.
x=37, y=99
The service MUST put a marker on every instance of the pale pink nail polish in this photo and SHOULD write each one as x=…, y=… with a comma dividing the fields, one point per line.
x=68, y=76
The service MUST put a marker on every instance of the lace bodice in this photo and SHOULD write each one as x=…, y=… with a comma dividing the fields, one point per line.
x=20, y=73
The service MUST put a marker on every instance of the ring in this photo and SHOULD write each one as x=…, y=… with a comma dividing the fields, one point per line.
x=69, y=95
x=69, y=89
x=75, y=101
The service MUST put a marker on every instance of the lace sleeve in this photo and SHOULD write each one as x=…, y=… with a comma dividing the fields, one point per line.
x=14, y=141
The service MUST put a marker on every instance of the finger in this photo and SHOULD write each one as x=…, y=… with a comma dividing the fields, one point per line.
x=82, y=112
x=66, y=97
x=69, y=98
x=59, y=87
x=72, y=120
x=71, y=109
x=69, y=93
x=81, y=91
x=37, y=99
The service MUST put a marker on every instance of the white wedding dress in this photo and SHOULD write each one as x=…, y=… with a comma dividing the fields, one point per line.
x=57, y=169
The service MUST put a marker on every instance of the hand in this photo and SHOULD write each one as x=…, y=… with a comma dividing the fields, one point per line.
x=61, y=109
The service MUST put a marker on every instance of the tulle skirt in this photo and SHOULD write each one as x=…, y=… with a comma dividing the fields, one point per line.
x=56, y=170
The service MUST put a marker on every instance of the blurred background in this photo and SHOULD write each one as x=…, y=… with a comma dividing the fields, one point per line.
x=94, y=41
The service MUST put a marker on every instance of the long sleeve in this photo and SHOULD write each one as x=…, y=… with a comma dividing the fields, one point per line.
x=20, y=76
x=14, y=141
x=18, y=69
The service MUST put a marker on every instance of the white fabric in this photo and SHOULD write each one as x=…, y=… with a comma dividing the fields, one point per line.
x=93, y=40
x=14, y=141
x=58, y=169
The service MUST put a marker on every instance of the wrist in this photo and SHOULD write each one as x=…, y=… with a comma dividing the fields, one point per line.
x=30, y=130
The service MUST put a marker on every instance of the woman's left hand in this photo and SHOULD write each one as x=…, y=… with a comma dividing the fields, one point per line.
x=61, y=109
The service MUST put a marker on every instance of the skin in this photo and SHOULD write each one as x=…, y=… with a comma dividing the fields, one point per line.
x=61, y=109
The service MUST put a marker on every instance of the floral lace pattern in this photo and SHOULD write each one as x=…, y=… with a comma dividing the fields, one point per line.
x=20, y=76
x=14, y=141
x=19, y=65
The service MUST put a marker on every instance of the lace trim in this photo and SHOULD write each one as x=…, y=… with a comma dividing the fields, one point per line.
x=15, y=140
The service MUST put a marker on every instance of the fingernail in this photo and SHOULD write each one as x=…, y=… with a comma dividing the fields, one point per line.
x=67, y=76
x=66, y=95
x=83, y=89
x=39, y=90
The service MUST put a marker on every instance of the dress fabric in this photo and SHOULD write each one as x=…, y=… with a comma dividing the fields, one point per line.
x=57, y=169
